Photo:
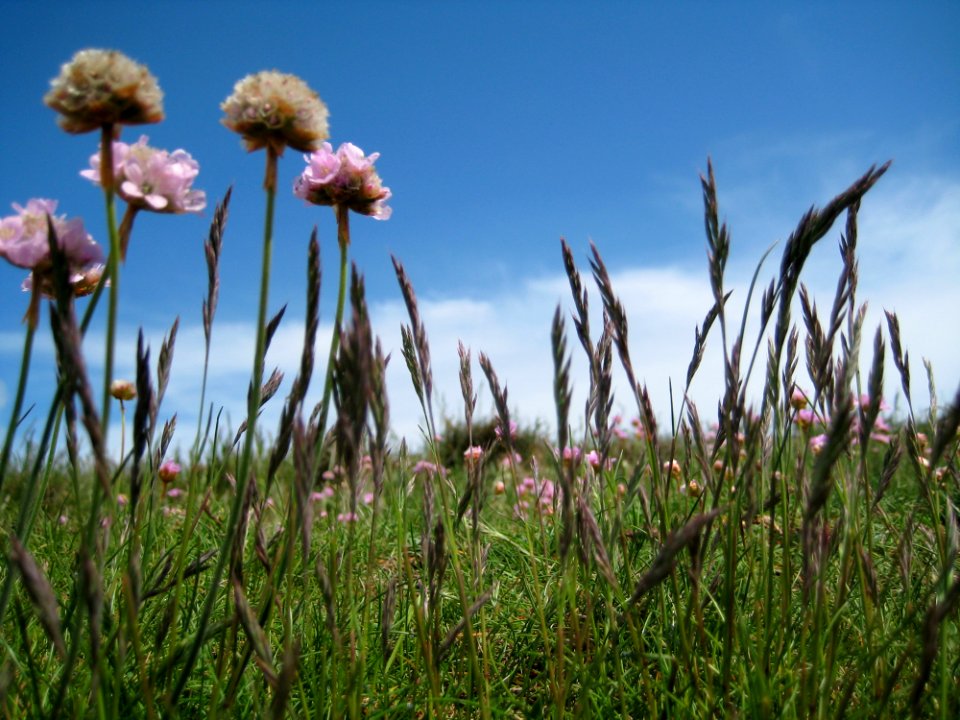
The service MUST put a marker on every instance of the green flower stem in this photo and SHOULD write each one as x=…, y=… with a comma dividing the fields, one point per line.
x=253, y=406
x=21, y=389
x=343, y=240
x=113, y=269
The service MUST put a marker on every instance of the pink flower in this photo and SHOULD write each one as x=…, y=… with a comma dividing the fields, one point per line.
x=367, y=498
x=168, y=471
x=174, y=493
x=506, y=461
x=346, y=178
x=24, y=243
x=571, y=455
x=593, y=459
x=152, y=179
x=798, y=398
x=425, y=466
x=817, y=443
x=674, y=468
x=473, y=454
x=325, y=494
x=805, y=418
x=347, y=517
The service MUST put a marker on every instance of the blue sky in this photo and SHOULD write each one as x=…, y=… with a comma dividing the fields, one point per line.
x=502, y=127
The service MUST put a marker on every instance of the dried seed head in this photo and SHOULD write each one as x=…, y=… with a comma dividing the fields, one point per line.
x=104, y=87
x=123, y=390
x=273, y=109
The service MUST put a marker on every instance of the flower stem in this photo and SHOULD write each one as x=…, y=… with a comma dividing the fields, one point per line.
x=113, y=267
x=253, y=406
x=343, y=240
x=21, y=388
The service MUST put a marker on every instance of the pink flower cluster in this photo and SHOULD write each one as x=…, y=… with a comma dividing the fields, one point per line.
x=152, y=179
x=345, y=177
x=24, y=243
x=534, y=494
x=425, y=466
x=806, y=418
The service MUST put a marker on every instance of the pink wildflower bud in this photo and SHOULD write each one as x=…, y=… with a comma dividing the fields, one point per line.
x=798, y=400
x=621, y=489
x=817, y=443
x=123, y=390
x=499, y=488
x=805, y=418
x=168, y=471
x=367, y=498
x=673, y=467
x=473, y=454
x=506, y=460
x=572, y=455
x=122, y=500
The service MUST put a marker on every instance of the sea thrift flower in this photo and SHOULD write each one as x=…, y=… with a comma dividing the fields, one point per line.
x=151, y=179
x=174, y=493
x=673, y=467
x=24, y=243
x=277, y=110
x=321, y=495
x=123, y=390
x=593, y=459
x=345, y=177
x=805, y=418
x=168, y=471
x=425, y=466
x=104, y=87
x=505, y=462
x=691, y=488
x=571, y=456
x=473, y=454
x=347, y=517
x=499, y=488
x=817, y=443
x=798, y=400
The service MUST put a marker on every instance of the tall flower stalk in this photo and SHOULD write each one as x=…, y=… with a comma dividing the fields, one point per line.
x=24, y=243
x=269, y=110
x=347, y=180
x=101, y=90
